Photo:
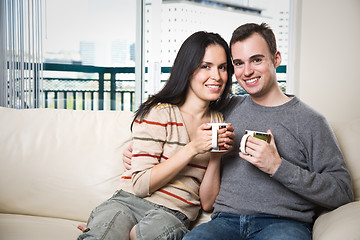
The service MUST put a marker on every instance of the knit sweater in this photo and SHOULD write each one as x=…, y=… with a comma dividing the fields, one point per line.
x=312, y=172
x=157, y=137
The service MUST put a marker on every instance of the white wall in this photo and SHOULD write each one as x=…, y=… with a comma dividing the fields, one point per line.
x=327, y=69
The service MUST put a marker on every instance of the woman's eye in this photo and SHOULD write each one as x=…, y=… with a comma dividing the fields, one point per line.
x=223, y=68
x=205, y=66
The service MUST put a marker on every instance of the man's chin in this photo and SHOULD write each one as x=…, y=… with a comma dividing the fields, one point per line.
x=252, y=91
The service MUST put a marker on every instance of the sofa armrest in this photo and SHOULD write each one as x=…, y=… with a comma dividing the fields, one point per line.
x=341, y=223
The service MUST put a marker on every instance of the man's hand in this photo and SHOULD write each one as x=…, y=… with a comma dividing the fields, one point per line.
x=263, y=155
x=127, y=154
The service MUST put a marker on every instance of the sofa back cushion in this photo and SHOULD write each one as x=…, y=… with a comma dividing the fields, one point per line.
x=348, y=135
x=60, y=163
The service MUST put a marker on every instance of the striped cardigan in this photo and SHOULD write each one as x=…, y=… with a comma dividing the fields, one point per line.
x=156, y=138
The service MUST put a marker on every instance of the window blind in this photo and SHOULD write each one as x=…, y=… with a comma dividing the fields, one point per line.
x=21, y=53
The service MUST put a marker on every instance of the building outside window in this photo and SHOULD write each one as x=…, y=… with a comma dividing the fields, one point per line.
x=96, y=40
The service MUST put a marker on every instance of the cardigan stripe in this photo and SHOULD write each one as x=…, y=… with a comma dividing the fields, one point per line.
x=184, y=186
x=145, y=155
x=157, y=123
x=148, y=139
x=177, y=197
x=158, y=140
x=197, y=166
x=166, y=158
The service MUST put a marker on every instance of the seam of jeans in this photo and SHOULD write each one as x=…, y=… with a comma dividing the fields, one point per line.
x=168, y=231
x=178, y=214
x=110, y=224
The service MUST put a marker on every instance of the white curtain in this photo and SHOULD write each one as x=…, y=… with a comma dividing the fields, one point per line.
x=21, y=53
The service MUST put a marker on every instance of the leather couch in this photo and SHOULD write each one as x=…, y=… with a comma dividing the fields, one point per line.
x=57, y=165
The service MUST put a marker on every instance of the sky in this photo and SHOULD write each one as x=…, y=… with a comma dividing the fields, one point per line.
x=69, y=21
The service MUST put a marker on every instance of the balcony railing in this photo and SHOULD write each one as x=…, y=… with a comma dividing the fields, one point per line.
x=74, y=86
x=81, y=87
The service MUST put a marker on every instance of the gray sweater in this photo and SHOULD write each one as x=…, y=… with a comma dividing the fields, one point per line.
x=312, y=173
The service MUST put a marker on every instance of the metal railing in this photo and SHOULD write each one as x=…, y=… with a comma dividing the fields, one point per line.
x=82, y=87
x=74, y=86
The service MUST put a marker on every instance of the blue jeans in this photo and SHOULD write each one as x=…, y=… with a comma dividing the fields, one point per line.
x=255, y=227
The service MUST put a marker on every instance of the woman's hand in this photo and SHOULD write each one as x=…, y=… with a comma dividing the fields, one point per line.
x=127, y=155
x=201, y=141
x=226, y=137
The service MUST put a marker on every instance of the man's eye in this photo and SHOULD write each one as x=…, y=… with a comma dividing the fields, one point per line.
x=238, y=63
x=257, y=60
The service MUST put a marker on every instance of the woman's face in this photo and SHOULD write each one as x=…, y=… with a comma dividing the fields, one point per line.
x=209, y=80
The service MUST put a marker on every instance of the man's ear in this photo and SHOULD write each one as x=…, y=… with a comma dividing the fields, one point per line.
x=277, y=59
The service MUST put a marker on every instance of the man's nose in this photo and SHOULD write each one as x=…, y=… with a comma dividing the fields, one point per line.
x=248, y=71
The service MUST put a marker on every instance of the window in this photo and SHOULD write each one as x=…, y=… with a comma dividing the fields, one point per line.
x=89, y=54
x=199, y=15
x=103, y=44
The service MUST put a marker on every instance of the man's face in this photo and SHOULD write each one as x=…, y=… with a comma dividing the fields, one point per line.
x=255, y=67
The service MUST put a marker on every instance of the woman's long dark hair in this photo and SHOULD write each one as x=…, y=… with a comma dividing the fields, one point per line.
x=187, y=61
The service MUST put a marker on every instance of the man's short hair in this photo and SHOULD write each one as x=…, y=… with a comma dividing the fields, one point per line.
x=246, y=30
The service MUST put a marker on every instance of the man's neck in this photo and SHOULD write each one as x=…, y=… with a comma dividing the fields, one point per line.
x=271, y=99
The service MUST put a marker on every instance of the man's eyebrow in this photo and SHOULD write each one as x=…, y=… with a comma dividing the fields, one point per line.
x=257, y=56
x=237, y=60
x=251, y=58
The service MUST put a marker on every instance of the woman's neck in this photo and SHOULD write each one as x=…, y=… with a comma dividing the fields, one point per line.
x=194, y=107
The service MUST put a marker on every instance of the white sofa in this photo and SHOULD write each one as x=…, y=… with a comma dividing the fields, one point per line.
x=57, y=165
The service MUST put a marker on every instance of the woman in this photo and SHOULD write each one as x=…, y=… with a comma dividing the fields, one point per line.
x=159, y=196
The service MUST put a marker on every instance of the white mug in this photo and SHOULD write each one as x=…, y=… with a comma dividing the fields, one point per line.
x=261, y=135
x=214, y=128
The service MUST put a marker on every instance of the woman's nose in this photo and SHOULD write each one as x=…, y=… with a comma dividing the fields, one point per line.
x=215, y=75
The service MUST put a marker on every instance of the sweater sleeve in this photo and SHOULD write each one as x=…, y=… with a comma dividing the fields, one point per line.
x=149, y=137
x=326, y=181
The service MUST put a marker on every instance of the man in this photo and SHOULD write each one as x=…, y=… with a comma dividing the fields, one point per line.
x=275, y=191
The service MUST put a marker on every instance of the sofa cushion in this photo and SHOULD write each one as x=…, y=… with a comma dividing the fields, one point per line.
x=342, y=223
x=60, y=163
x=348, y=135
x=15, y=227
